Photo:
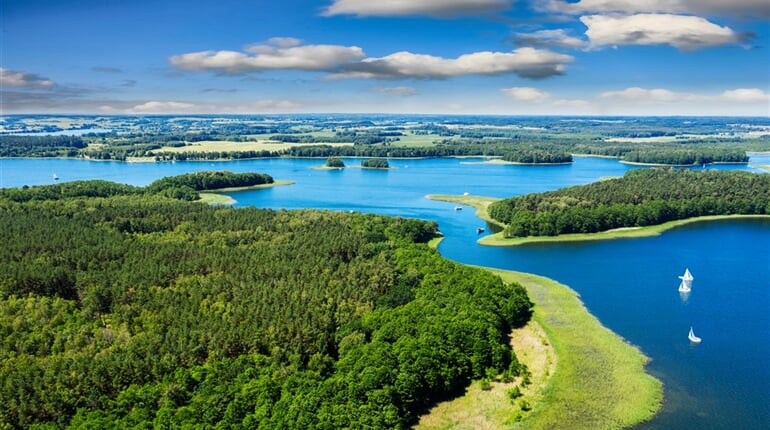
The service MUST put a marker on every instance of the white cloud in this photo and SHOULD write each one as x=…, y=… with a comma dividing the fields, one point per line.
x=525, y=62
x=746, y=95
x=526, y=94
x=19, y=79
x=746, y=8
x=643, y=95
x=402, y=91
x=548, y=38
x=163, y=107
x=279, y=54
x=683, y=32
x=434, y=8
x=175, y=107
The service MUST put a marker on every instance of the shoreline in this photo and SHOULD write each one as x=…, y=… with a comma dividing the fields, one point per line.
x=481, y=203
x=497, y=239
x=216, y=196
x=584, y=376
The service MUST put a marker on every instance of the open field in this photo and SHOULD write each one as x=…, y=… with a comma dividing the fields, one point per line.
x=229, y=146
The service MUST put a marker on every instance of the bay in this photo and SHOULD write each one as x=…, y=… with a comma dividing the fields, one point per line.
x=630, y=285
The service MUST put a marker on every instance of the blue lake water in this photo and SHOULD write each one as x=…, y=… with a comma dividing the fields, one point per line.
x=629, y=284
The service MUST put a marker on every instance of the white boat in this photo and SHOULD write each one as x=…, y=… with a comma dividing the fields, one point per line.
x=687, y=276
x=458, y=208
x=480, y=230
x=55, y=177
x=692, y=337
x=686, y=285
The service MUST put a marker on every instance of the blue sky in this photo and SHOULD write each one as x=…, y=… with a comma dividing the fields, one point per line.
x=517, y=57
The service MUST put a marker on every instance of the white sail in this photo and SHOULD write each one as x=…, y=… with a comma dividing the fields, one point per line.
x=692, y=337
x=684, y=287
x=687, y=276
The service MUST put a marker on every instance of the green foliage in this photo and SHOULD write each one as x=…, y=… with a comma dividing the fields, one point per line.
x=210, y=180
x=641, y=197
x=375, y=163
x=142, y=311
x=536, y=156
x=335, y=162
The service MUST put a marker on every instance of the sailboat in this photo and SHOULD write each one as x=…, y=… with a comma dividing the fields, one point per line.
x=55, y=177
x=686, y=285
x=692, y=337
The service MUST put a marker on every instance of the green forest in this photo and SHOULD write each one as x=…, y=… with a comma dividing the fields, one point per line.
x=642, y=197
x=123, y=308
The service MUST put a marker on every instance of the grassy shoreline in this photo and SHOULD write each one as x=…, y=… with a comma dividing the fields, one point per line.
x=215, y=197
x=599, y=381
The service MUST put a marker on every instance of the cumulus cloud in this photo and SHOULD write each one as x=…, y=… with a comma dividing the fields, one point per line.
x=525, y=62
x=746, y=95
x=20, y=79
x=526, y=94
x=433, y=8
x=278, y=54
x=682, y=32
x=175, y=107
x=401, y=91
x=746, y=8
x=163, y=107
x=547, y=38
x=638, y=94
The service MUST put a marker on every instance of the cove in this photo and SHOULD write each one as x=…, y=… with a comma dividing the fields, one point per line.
x=630, y=285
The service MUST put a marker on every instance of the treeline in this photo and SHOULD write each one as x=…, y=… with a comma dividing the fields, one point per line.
x=212, y=155
x=40, y=146
x=211, y=180
x=641, y=197
x=534, y=156
x=375, y=163
x=142, y=311
x=183, y=187
x=687, y=157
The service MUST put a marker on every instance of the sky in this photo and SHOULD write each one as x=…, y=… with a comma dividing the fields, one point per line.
x=501, y=57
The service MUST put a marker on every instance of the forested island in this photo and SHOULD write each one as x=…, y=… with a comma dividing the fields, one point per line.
x=642, y=197
x=122, y=307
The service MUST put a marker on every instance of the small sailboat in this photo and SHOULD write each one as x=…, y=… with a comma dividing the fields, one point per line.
x=480, y=230
x=692, y=337
x=686, y=285
x=55, y=177
x=458, y=208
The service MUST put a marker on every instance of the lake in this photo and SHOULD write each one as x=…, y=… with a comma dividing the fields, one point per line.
x=630, y=285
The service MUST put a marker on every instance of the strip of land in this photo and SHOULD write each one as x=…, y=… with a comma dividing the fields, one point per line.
x=583, y=375
x=217, y=197
x=498, y=239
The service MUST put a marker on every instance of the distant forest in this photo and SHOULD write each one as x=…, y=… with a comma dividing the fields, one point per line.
x=666, y=141
x=641, y=197
x=121, y=308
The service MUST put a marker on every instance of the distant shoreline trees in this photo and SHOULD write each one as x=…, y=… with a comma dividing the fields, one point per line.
x=641, y=197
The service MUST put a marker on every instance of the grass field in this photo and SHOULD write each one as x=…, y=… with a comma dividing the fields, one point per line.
x=228, y=146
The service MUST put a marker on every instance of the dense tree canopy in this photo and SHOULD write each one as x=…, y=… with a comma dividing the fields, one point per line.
x=641, y=197
x=137, y=310
x=375, y=163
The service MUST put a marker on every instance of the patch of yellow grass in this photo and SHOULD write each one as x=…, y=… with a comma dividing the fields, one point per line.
x=229, y=146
